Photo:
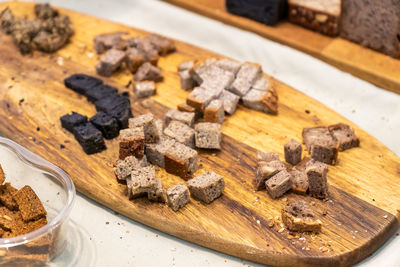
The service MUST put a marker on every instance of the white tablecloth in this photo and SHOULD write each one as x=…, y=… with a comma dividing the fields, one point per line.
x=122, y=242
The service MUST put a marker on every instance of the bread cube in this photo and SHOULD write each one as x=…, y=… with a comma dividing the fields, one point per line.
x=178, y=196
x=208, y=135
x=279, y=184
x=317, y=182
x=298, y=216
x=186, y=65
x=299, y=182
x=207, y=186
x=181, y=160
x=131, y=142
x=141, y=182
x=264, y=101
x=110, y=62
x=180, y=132
x=246, y=76
x=186, y=80
x=155, y=152
x=293, y=151
x=124, y=167
x=106, y=124
x=134, y=59
x=144, y=89
x=151, y=132
x=265, y=171
x=230, y=101
x=199, y=98
x=148, y=72
x=89, y=137
x=214, y=112
x=344, y=135
x=181, y=116
x=320, y=144
x=69, y=121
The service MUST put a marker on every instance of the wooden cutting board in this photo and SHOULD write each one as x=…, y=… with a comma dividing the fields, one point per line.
x=362, y=212
x=364, y=63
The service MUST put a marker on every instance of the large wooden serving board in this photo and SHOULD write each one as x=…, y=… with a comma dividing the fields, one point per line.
x=362, y=212
x=364, y=63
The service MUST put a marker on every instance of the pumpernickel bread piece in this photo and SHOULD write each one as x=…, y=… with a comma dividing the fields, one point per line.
x=208, y=135
x=89, y=137
x=298, y=216
x=214, y=112
x=293, y=151
x=320, y=144
x=299, y=182
x=178, y=196
x=279, y=184
x=181, y=160
x=69, y=121
x=147, y=121
x=321, y=16
x=265, y=171
x=131, y=142
x=207, y=186
x=373, y=24
x=317, y=182
x=344, y=135
x=155, y=152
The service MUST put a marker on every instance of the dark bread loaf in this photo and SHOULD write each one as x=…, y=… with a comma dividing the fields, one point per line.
x=373, y=24
x=265, y=11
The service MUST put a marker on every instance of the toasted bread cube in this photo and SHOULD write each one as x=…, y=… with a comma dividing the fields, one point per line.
x=246, y=76
x=155, y=152
x=299, y=182
x=147, y=121
x=110, y=62
x=199, y=98
x=228, y=65
x=293, y=151
x=103, y=42
x=214, y=112
x=29, y=204
x=265, y=171
x=317, y=182
x=207, y=186
x=162, y=44
x=320, y=144
x=181, y=160
x=181, y=116
x=141, y=182
x=157, y=194
x=264, y=101
x=134, y=59
x=298, y=217
x=181, y=133
x=267, y=156
x=148, y=72
x=186, y=65
x=230, y=101
x=344, y=135
x=208, y=135
x=131, y=142
x=279, y=184
x=124, y=167
x=178, y=196
x=186, y=80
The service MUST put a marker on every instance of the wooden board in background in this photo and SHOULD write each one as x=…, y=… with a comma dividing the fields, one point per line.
x=364, y=63
x=364, y=185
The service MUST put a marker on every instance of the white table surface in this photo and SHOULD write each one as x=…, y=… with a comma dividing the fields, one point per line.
x=107, y=239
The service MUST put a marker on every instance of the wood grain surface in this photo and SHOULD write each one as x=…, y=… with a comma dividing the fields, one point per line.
x=363, y=206
x=364, y=63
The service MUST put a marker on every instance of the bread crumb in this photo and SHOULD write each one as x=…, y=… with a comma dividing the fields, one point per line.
x=258, y=222
x=385, y=216
x=107, y=222
x=271, y=224
x=281, y=230
x=284, y=199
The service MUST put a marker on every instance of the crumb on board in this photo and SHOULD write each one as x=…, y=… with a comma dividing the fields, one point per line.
x=107, y=222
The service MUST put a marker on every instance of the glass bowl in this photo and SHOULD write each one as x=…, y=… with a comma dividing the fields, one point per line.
x=56, y=191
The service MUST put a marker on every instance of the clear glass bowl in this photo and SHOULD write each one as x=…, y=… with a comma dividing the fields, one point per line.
x=56, y=191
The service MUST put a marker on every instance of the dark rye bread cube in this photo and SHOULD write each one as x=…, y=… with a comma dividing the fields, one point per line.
x=265, y=171
x=144, y=89
x=320, y=144
x=208, y=135
x=187, y=118
x=148, y=50
x=230, y=101
x=268, y=12
x=299, y=217
x=373, y=24
x=186, y=80
x=69, y=121
x=293, y=151
x=99, y=92
x=29, y=204
x=106, y=124
x=246, y=76
x=157, y=194
x=110, y=62
x=147, y=121
x=103, y=42
x=299, y=181
x=162, y=44
x=81, y=83
x=186, y=108
x=317, y=182
x=178, y=196
x=279, y=184
x=117, y=106
x=320, y=16
x=186, y=65
x=181, y=160
x=344, y=135
x=148, y=72
x=134, y=59
x=156, y=152
x=89, y=137
x=131, y=142
x=214, y=112
x=141, y=182
x=181, y=133
x=199, y=98
x=124, y=167
x=207, y=186
x=200, y=68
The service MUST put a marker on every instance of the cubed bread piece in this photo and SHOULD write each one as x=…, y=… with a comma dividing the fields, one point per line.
x=180, y=132
x=230, y=101
x=181, y=160
x=298, y=216
x=265, y=171
x=110, y=62
x=216, y=79
x=124, y=167
x=267, y=12
x=162, y=44
x=148, y=72
x=178, y=196
x=214, y=112
x=99, y=92
x=373, y=24
x=133, y=42
x=117, y=106
x=89, y=137
x=29, y=204
x=103, y=42
x=131, y=142
x=279, y=184
x=141, y=182
x=261, y=83
x=181, y=116
x=293, y=151
x=267, y=156
x=144, y=89
x=186, y=108
x=187, y=82
x=157, y=194
x=208, y=135
x=69, y=121
x=81, y=83
x=317, y=181
x=320, y=16
x=186, y=65
x=299, y=182
x=246, y=76
x=344, y=135
x=134, y=59
x=155, y=152
x=264, y=101
x=159, y=126
x=207, y=186
x=199, y=98
x=148, y=50
x=6, y=196
x=228, y=65
x=147, y=121
x=106, y=124
x=200, y=68
x=320, y=144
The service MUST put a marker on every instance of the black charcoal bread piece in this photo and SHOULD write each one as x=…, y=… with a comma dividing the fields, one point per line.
x=99, y=92
x=373, y=24
x=265, y=11
x=81, y=83
x=69, y=121
x=106, y=124
x=89, y=137
x=117, y=106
